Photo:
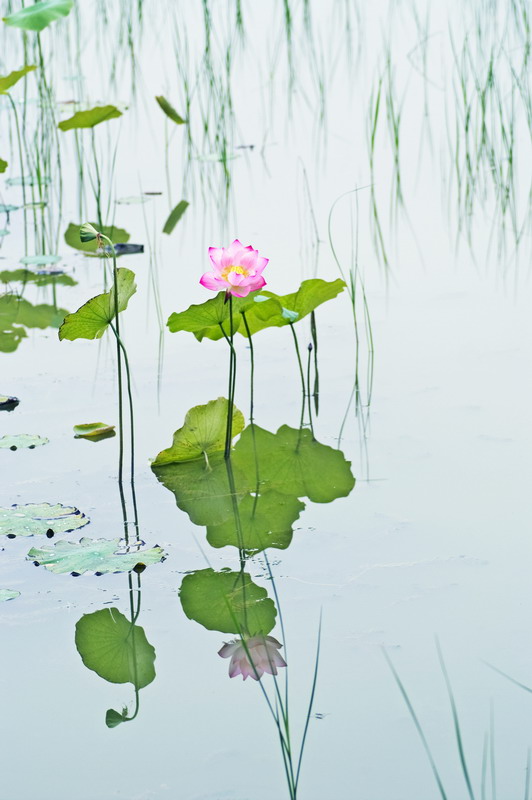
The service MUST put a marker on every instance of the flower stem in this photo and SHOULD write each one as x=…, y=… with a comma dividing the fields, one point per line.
x=252, y=378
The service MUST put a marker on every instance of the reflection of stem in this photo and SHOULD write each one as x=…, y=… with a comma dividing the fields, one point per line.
x=19, y=142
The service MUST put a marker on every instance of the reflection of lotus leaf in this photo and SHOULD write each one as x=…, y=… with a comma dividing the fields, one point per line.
x=92, y=319
x=8, y=594
x=114, y=648
x=202, y=491
x=263, y=521
x=15, y=312
x=38, y=518
x=203, y=433
x=21, y=441
x=116, y=235
x=228, y=602
x=42, y=279
x=292, y=462
x=93, y=555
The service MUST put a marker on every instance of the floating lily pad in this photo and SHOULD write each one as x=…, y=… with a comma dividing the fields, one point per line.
x=7, y=81
x=124, y=249
x=8, y=403
x=20, y=441
x=259, y=522
x=8, y=594
x=175, y=216
x=93, y=555
x=43, y=260
x=3, y=165
x=202, y=434
x=90, y=118
x=35, y=519
x=228, y=602
x=94, y=431
x=170, y=111
x=114, y=648
x=116, y=235
x=92, y=319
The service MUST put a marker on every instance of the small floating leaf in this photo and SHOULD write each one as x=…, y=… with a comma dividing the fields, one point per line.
x=72, y=236
x=8, y=594
x=169, y=110
x=92, y=555
x=7, y=209
x=34, y=519
x=202, y=433
x=3, y=165
x=228, y=602
x=8, y=403
x=7, y=81
x=43, y=260
x=22, y=440
x=114, y=648
x=90, y=118
x=94, y=431
x=91, y=320
x=175, y=216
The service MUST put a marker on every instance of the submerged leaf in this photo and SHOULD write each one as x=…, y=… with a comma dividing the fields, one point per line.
x=170, y=111
x=175, y=216
x=7, y=81
x=228, y=602
x=92, y=555
x=22, y=440
x=203, y=433
x=34, y=519
x=72, y=238
x=90, y=118
x=8, y=594
x=93, y=430
x=91, y=320
x=114, y=648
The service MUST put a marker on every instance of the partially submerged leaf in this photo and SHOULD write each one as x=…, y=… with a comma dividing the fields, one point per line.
x=19, y=441
x=93, y=430
x=203, y=433
x=7, y=81
x=90, y=118
x=114, y=648
x=93, y=555
x=8, y=403
x=175, y=216
x=37, y=16
x=8, y=594
x=228, y=602
x=72, y=237
x=170, y=111
x=91, y=320
x=34, y=519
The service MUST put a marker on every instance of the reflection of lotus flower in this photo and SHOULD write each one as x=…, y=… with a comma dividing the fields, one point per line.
x=237, y=269
x=260, y=652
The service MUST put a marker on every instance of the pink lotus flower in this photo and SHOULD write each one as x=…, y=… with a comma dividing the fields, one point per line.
x=236, y=268
x=263, y=655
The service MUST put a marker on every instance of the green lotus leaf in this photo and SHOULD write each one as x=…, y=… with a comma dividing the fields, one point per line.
x=175, y=216
x=27, y=276
x=228, y=602
x=170, y=111
x=204, y=320
x=114, y=648
x=259, y=522
x=91, y=320
x=90, y=118
x=7, y=81
x=72, y=237
x=3, y=165
x=279, y=310
x=21, y=441
x=114, y=718
x=202, y=434
x=94, y=431
x=44, y=260
x=92, y=555
x=292, y=462
x=8, y=594
x=35, y=519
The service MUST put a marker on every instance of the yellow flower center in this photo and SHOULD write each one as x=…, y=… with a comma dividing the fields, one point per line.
x=239, y=270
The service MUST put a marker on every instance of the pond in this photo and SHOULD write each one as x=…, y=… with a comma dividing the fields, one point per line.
x=265, y=435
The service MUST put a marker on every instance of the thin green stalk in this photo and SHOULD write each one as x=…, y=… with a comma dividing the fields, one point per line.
x=21, y=159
